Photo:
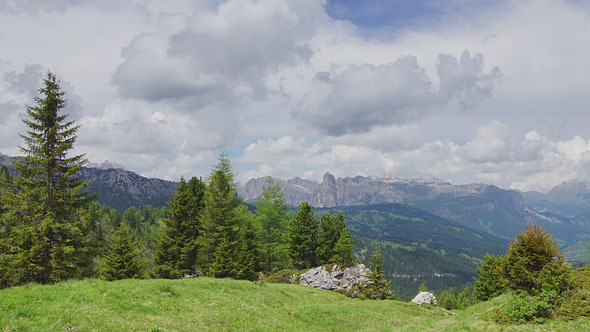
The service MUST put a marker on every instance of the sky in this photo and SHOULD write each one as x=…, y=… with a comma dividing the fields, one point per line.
x=465, y=91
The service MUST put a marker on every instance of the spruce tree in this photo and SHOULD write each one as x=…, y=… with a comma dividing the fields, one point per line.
x=343, y=249
x=303, y=238
x=177, y=248
x=490, y=282
x=423, y=287
x=5, y=177
x=124, y=256
x=6, y=187
x=273, y=215
x=219, y=226
x=48, y=234
x=224, y=263
x=533, y=257
x=380, y=288
x=249, y=252
x=329, y=232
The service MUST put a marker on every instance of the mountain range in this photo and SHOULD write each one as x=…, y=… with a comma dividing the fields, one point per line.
x=564, y=211
x=117, y=187
x=478, y=206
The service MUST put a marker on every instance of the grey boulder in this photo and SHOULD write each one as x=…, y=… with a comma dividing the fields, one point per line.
x=425, y=297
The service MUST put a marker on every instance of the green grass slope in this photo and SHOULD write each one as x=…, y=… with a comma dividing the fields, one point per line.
x=205, y=304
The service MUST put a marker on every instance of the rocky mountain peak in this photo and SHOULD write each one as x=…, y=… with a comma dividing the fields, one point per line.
x=329, y=178
x=105, y=165
x=569, y=191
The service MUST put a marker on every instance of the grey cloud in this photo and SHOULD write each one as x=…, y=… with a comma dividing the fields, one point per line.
x=397, y=93
x=7, y=109
x=220, y=55
x=33, y=6
x=19, y=90
x=27, y=84
x=464, y=79
x=27, y=81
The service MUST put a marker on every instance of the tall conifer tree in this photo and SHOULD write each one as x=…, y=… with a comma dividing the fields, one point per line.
x=220, y=224
x=303, y=237
x=249, y=257
x=490, y=282
x=273, y=215
x=176, y=252
x=329, y=232
x=343, y=249
x=48, y=234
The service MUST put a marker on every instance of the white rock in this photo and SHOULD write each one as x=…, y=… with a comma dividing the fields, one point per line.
x=425, y=297
x=336, y=277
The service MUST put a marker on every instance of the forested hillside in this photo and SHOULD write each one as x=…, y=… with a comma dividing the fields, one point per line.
x=417, y=246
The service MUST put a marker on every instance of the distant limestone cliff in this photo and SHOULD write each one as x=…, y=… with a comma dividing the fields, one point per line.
x=362, y=190
x=479, y=206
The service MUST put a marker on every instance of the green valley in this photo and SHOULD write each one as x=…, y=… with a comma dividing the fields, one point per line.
x=417, y=246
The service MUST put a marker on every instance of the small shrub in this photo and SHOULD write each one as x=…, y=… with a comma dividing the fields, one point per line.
x=524, y=308
x=578, y=303
x=285, y=276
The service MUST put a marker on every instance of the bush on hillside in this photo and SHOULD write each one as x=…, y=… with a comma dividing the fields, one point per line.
x=533, y=260
x=457, y=297
x=578, y=303
x=284, y=276
x=537, y=271
x=490, y=282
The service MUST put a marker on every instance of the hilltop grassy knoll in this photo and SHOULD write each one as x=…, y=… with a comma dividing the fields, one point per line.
x=205, y=304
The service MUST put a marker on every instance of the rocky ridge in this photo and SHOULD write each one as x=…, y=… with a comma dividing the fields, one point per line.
x=361, y=190
x=117, y=187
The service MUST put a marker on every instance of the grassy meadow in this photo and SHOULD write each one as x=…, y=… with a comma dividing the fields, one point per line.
x=206, y=304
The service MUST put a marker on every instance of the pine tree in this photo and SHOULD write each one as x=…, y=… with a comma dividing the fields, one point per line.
x=303, y=238
x=219, y=224
x=329, y=232
x=124, y=257
x=423, y=287
x=343, y=249
x=224, y=165
x=48, y=234
x=45, y=163
x=249, y=252
x=5, y=177
x=224, y=264
x=177, y=248
x=530, y=257
x=490, y=282
x=273, y=215
x=6, y=187
x=380, y=288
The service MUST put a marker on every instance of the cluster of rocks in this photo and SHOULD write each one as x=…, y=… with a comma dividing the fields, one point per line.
x=336, y=277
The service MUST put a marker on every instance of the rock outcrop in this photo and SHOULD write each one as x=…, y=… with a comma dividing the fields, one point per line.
x=425, y=297
x=335, y=277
